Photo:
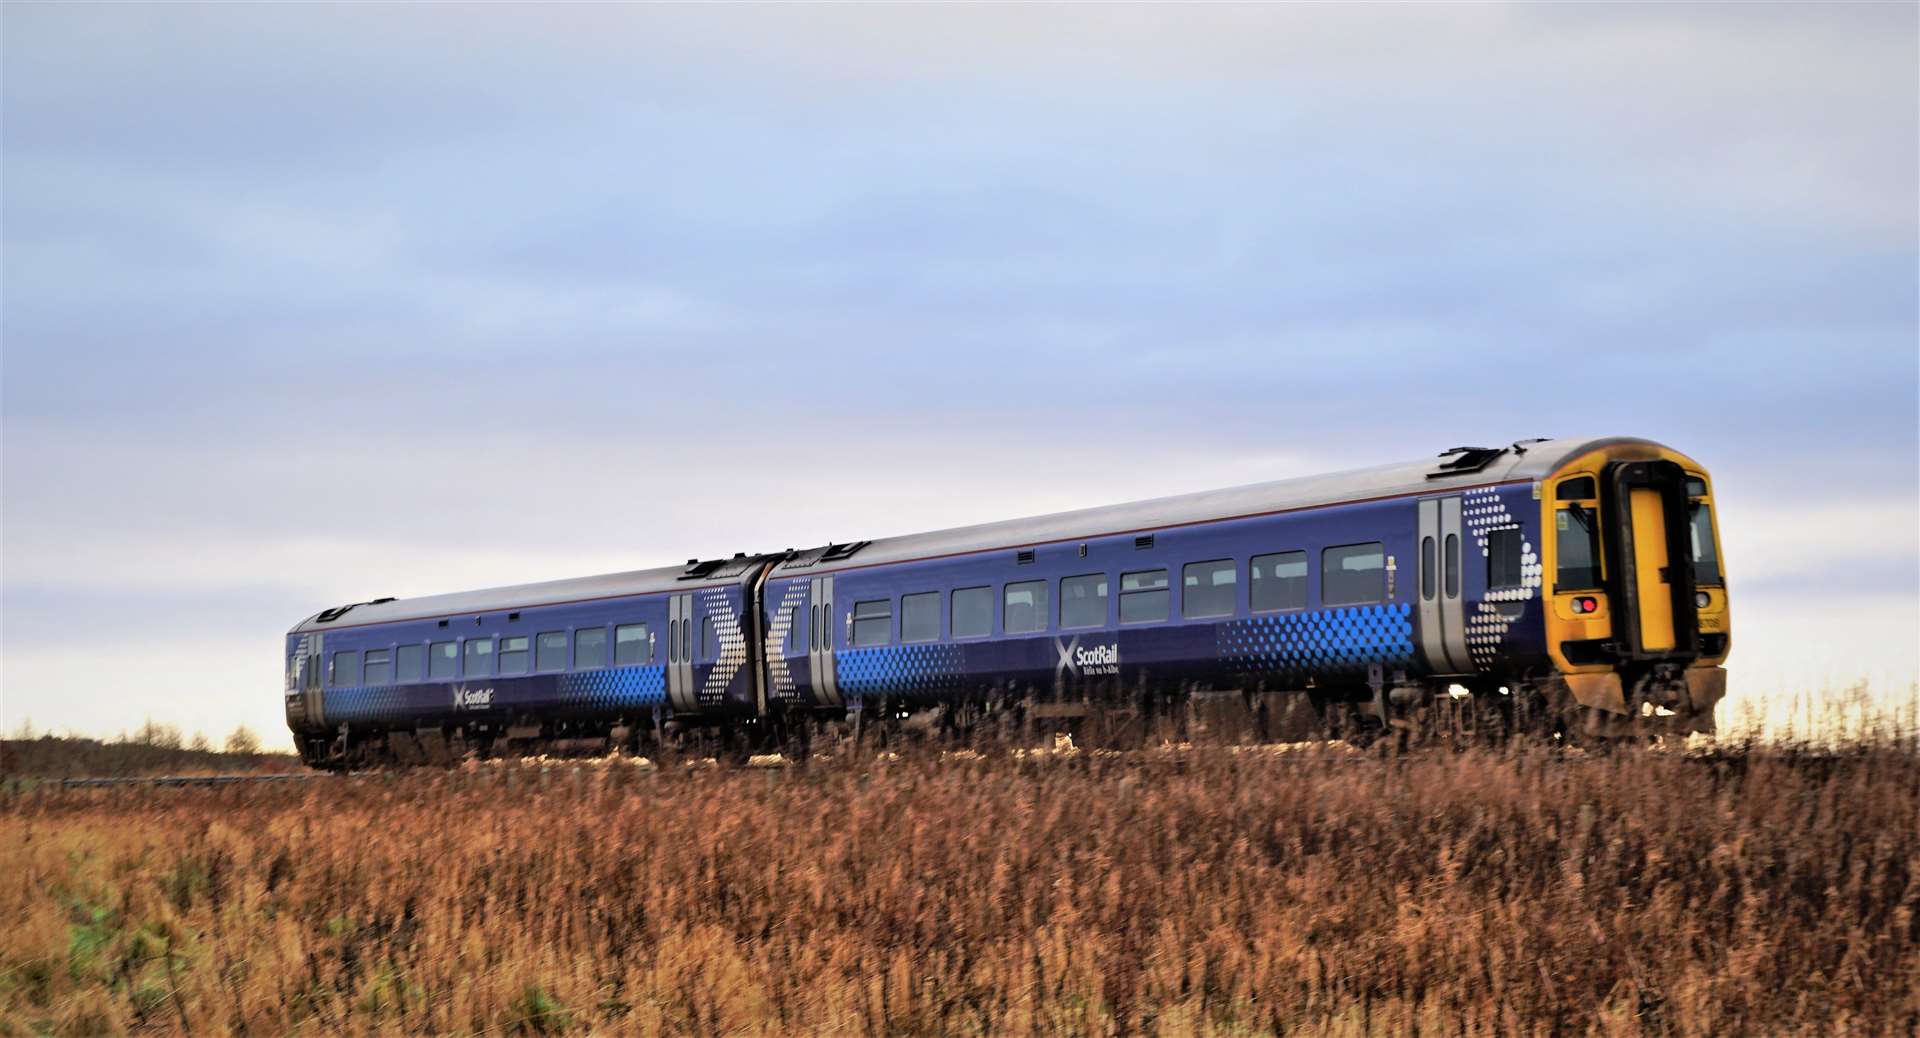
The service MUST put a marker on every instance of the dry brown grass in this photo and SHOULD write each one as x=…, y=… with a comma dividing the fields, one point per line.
x=1216, y=893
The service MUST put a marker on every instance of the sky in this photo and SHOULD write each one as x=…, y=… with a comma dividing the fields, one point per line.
x=306, y=305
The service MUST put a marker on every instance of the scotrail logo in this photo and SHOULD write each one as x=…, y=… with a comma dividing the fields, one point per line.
x=465, y=698
x=1092, y=661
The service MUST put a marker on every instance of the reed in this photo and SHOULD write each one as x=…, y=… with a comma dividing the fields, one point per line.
x=1771, y=890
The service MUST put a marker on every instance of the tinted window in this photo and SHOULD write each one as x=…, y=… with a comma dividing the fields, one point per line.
x=1026, y=607
x=1429, y=561
x=632, y=644
x=872, y=623
x=441, y=657
x=1452, y=550
x=1576, y=548
x=379, y=667
x=1581, y=489
x=1208, y=588
x=973, y=612
x=920, y=617
x=1279, y=581
x=1503, y=558
x=709, y=642
x=1145, y=597
x=478, y=653
x=550, y=651
x=589, y=648
x=793, y=629
x=513, y=654
x=1353, y=574
x=1706, y=556
x=1696, y=487
x=412, y=663
x=346, y=669
x=1083, y=600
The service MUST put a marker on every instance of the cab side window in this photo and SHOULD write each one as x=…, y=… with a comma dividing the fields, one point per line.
x=1576, y=535
x=1576, y=540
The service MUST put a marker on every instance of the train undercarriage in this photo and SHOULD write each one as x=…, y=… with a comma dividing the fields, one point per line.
x=1389, y=709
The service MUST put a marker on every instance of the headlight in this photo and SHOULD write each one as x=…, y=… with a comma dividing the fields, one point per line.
x=1702, y=599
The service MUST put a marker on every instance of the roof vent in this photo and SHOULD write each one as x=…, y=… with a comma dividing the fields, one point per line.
x=1143, y=541
x=1461, y=460
x=836, y=552
x=697, y=570
x=1023, y=556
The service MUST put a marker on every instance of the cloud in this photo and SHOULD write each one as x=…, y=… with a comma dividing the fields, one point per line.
x=307, y=304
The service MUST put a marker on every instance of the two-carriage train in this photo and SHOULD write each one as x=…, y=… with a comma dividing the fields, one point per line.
x=1571, y=585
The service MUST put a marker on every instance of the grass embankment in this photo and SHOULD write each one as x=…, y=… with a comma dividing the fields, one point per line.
x=1222, y=893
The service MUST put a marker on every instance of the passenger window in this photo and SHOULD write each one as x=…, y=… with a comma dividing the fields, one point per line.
x=411, y=663
x=1083, y=600
x=346, y=669
x=1503, y=558
x=589, y=648
x=1279, y=581
x=920, y=617
x=1706, y=555
x=442, y=660
x=1208, y=588
x=550, y=651
x=1453, y=565
x=1576, y=549
x=872, y=623
x=1145, y=597
x=1026, y=607
x=513, y=654
x=632, y=644
x=1353, y=574
x=379, y=669
x=709, y=642
x=1429, y=561
x=477, y=658
x=1580, y=489
x=973, y=612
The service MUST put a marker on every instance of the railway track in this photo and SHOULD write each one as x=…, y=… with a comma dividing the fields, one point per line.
x=1276, y=753
x=183, y=780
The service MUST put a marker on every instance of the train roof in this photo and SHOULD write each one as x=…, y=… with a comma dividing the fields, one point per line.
x=1461, y=467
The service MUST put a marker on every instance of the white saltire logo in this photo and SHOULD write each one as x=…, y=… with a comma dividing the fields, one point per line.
x=1092, y=661
x=465, y=698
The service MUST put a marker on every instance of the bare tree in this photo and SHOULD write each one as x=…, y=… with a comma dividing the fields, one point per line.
x=162, y=736
x=199, y=743
x=243, y=741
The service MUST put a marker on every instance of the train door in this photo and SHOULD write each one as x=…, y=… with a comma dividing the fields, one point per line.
x=1650, y=571
x=680, y=690
x=1443, y=624
x=826, y=688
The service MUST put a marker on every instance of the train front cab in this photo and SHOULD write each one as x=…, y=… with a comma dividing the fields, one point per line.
x=1637, y=616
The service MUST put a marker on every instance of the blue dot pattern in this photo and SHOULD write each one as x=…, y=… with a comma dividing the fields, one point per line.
x=1320, y=641
x=373, y=703
x=898, y=669
x=621, y=688
x=612, y=691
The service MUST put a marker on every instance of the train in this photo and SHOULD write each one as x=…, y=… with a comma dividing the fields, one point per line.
x=1571, y=588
